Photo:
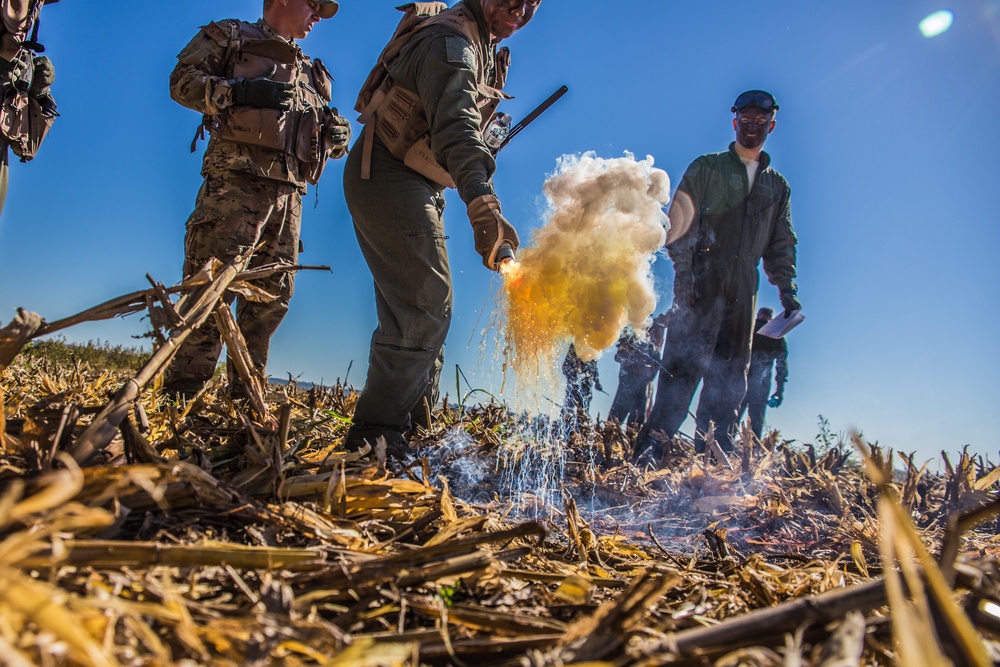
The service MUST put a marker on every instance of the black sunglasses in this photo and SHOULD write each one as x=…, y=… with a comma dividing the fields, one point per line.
x=756, y=98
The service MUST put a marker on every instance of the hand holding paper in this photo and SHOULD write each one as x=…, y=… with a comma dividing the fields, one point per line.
x=781, y=325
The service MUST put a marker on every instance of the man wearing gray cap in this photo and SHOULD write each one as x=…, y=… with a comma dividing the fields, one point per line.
x=731, y=210
x=265, y=106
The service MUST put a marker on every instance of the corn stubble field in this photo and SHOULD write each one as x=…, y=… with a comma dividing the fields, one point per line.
x=205, y=535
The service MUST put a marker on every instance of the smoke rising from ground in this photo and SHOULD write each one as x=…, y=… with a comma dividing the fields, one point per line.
x=587, y=272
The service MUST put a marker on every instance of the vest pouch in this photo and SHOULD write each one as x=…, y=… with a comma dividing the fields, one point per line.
x=399, y=120
x=266, y=57
x=268, y=128
x=397, y=115
x=312, y=145
x=400, y=124
x=23, y=124
x=420, y=158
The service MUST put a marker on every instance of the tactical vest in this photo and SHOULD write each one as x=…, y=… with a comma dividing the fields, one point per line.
x=396, y=114
x=299, y=132
x=24, y=122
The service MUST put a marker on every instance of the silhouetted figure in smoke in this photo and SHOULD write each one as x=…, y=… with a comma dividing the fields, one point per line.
x=581, y=381
x=640, y=360
x=730, y=211
x=766, y=354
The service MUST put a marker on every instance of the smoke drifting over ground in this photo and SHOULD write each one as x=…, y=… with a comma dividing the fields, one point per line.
x=587, y=272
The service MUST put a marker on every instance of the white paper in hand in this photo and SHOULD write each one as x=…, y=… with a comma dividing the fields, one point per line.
x=781, y=325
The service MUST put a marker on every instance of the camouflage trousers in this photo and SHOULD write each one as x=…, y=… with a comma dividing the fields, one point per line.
x=398, y=221
x=234, y=213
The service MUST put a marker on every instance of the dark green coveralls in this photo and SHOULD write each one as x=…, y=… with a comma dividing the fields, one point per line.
x=709, y=338
x=398, y=219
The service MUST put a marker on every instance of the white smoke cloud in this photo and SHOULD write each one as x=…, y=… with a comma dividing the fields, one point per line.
x=587, y=272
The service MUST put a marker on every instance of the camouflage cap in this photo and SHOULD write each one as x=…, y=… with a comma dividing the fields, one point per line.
x=327, y=8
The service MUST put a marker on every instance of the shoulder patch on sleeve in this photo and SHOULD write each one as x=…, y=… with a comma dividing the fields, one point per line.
x=459, y=51
x=205, y=50
x=216, y=33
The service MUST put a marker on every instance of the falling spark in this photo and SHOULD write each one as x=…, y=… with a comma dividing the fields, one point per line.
x=937, y=23
x=587, y=273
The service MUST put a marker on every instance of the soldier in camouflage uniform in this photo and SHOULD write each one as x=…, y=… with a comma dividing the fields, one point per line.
x=19, y=20
x=424, y=132
x=27, y=108
x=640, y=362
x=581, y=380
x=265, y=107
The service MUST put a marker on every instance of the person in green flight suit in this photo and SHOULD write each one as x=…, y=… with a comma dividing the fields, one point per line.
x=442, y=77
x=732, y=210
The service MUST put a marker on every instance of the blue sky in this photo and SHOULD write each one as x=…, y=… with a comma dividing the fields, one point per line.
x=887, y=138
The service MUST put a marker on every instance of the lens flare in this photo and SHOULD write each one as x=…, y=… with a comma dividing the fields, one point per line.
x=937, y=23
x=588, y=272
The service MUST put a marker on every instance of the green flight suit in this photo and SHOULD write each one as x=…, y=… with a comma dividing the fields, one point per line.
x=734, y=228
x=398, y=219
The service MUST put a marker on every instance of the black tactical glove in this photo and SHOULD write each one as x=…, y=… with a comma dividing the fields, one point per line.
x=41, y=86
x=338, y=129
x=683, y=289
x=43, y=77
x=491, y=231
x=789, y=301
x=263, y=93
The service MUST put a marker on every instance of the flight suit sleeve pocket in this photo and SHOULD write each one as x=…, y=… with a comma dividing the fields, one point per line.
x=459, y=52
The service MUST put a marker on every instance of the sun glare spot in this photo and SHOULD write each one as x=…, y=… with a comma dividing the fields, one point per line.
x=937, y=23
